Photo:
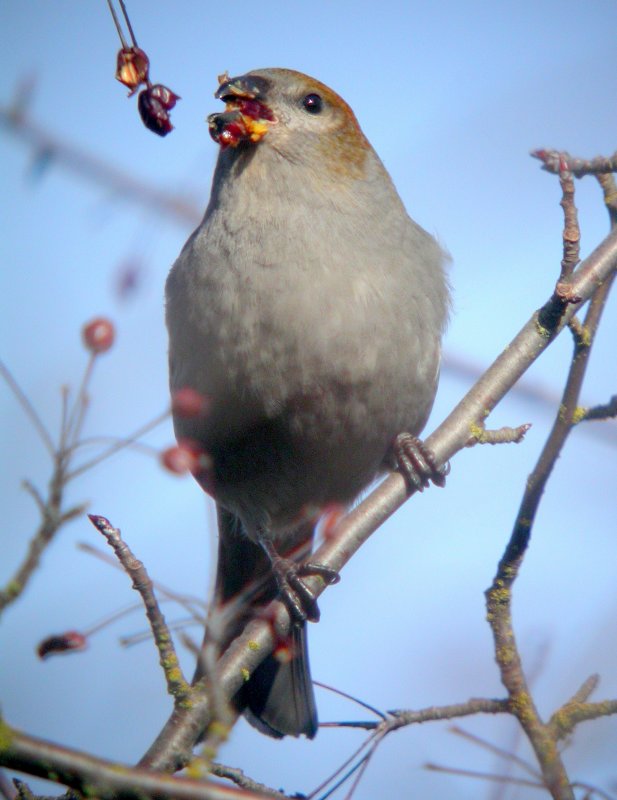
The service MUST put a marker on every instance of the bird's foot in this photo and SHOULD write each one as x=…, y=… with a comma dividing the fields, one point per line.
x=299, y=599
x=417, y=463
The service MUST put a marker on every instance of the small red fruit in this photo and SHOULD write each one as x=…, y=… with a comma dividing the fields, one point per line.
x=188, y=403
x=132, y=67
x=61, y=643
x=98, y=335
x=153, y=105
x=178, y=460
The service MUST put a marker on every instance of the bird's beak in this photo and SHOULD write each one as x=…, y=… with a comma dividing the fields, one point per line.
x=247, y=117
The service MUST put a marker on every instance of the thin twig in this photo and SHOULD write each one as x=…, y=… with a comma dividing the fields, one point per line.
x=70, y=433
x=606, y=411
x=499, y=595
x=52, y=520
x=497, y=751
x=238, y=777
x=571, y=229
x=552, y=161
x=505, y=435
x=117, y=24
x=344, y=769
x=117, y=446
x=128, y=23
x=351, y=697
x=31, y=412
x=177, y=685
x=486, y=776
x=193, y=605
x=477, y=705
x=609, y=190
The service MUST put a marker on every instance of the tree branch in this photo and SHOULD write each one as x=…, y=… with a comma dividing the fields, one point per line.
x=176, y=683
x=95, y=777
x=172, y=748
x=542, y=737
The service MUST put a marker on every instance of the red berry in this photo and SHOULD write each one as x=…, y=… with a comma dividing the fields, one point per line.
x=132, y=67
x=98, y=335
x=61, y=643
x=153, y=105
x=188, y=403
x=165, y=96
x=178, y=460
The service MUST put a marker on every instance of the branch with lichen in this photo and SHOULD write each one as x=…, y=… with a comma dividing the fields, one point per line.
x=544, y=736
x=505, y=435
x=577, y=285
x=177, y=685
x=107, y=780
x=98, y=337
x=173, y=747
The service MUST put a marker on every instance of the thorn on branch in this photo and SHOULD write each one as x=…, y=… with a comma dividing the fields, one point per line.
x=505, y=435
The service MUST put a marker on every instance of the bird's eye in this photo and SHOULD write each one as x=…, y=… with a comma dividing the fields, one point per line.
x=312, y=103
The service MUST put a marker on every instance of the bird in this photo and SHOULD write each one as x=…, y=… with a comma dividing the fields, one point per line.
x=307, y=309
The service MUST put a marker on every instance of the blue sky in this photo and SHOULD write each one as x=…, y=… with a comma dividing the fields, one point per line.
x=453, y=97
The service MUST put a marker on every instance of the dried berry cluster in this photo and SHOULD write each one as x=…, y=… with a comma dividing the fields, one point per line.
x=155, y=101
x=133, y=65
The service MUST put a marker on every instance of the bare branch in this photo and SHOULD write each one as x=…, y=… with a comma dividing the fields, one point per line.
x=238, y=777
x=609, y=189
x=505, y=435
x=95, y=777
x=606, y=411
x=554, y=159
x=177, y=685
x=499, y=596
x=478, y=705
x=52, y=519
x=27, y=406
x=486, y=776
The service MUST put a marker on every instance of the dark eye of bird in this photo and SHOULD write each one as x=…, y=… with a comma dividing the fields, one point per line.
x=312, y=103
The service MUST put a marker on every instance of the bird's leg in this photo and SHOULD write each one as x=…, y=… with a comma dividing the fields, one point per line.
x=417, y=463
x=299, y=599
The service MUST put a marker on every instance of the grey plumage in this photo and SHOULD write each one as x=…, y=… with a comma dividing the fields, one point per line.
x=309, y=308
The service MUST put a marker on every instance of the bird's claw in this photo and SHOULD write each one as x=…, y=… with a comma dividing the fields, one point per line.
x=417, y=463
x=299, y=599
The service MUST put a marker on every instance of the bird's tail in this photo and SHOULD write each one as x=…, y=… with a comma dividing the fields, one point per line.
x=278, y=699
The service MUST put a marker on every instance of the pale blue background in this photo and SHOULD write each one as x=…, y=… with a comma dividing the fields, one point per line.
x=452, y=96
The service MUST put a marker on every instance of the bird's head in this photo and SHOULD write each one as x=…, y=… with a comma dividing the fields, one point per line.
x=295, y=114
